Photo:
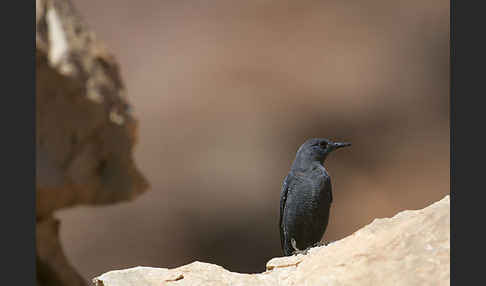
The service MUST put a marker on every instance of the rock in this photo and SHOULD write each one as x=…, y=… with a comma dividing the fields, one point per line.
x=53, y=269
x=411, y=248
x=85, y=131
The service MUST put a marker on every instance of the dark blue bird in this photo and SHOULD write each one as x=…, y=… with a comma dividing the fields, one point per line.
x=306, y=197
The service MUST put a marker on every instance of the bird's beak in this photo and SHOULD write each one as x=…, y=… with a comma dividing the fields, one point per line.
x=338, y=145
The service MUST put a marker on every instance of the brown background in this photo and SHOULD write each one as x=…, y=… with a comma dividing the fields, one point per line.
x=226, y=91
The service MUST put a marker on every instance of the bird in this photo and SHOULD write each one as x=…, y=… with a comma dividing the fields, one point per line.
x=306, y=197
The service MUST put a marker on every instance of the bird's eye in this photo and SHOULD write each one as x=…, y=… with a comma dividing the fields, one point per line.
x=323, y=144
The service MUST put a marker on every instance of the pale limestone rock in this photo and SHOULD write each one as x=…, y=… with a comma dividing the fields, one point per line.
x=412, y=248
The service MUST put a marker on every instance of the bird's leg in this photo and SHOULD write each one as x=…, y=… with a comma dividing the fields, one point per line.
x=305, y=251
x=296, y=250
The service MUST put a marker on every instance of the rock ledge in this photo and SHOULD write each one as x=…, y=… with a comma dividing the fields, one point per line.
x=411, y=248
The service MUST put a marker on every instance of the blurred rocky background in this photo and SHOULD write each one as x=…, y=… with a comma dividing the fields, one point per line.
x=226, y=91
x=85, y=132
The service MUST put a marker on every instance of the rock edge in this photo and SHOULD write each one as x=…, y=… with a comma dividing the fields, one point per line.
x=411, y=248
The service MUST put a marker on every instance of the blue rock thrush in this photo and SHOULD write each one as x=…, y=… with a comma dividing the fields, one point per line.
x=306, y=197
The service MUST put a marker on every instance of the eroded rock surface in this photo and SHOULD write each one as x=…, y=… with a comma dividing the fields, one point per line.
x=411, y=248
x=85, y=132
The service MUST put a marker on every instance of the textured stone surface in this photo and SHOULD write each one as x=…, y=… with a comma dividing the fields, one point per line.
x=411, y=248
x=85, y=132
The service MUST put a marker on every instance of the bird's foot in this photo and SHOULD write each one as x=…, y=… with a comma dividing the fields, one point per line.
x=303, y=252
x=296, y=250
x=320, y=243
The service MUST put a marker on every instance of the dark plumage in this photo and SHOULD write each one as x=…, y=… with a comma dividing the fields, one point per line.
x=306, y=196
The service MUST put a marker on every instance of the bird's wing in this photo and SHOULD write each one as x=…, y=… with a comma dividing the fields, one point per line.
x=283, y=198
x=328, y=188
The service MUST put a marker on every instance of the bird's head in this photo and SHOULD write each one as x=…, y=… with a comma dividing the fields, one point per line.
x=317, y=149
